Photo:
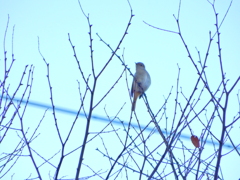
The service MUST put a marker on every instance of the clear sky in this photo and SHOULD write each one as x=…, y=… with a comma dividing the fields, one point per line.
x=161, y=52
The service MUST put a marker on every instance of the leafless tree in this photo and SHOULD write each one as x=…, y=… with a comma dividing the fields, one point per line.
x=157, y=150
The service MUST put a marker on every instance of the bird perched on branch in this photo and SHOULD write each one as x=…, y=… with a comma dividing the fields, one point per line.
x=141, y=83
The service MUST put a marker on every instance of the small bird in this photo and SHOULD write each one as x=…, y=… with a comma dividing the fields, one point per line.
x=141, y=83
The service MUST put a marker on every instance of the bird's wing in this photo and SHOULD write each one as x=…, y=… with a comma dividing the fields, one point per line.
x=133, y=87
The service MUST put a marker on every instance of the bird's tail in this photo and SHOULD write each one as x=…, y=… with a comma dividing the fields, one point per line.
x=136, y=94
x=134, y=105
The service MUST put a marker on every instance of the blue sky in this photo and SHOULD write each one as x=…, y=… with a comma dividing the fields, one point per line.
x=160, y=51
